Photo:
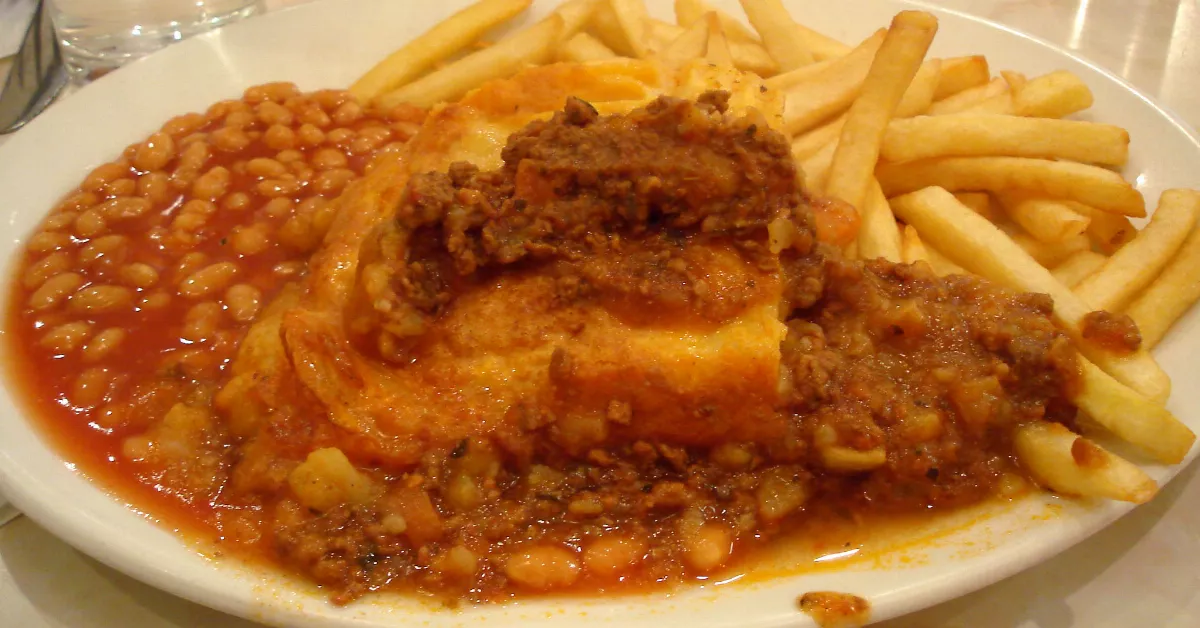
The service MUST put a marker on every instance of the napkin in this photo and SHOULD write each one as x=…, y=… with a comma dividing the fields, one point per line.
x=14, y=19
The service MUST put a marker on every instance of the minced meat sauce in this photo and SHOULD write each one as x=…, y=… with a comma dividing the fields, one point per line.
x=897, y=390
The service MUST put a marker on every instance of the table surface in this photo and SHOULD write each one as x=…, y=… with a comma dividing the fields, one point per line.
x=1141, y=571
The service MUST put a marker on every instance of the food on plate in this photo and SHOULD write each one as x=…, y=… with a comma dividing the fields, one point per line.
x=597, y=307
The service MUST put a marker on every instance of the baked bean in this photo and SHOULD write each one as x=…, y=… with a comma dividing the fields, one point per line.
x=193, y=215
x=123, y=208
x=101, y=299
x=122, y=187
x=109, y=250
x=275, y=92
x=331, y=182
x=154, y=301
x=241, y=119
x=90, y=223
x=329, y=158
x=213, y=184
x=288, y=269
x=61, y=220
x=310, y=135
x=330, y=99
x=376, y=135
x=139, y=275
x=302, y=171
x=288, y=156
x=92, y=387
x=340, y=137
x=102, y=175
x=54, y=290
x=405, y=130
x=229, y=139
x=272, y=188
x=278, y=207
x=155, y=153
x=542, y=567
x=348, y=113
x=274, y=114
x=279, y=137
x=66, y=337
x=707, y=547
x=181, y=126
x=316, y=117
x=265, y=167
x=612, y=554
x=299, y=234
x=243, y=302
x=78, y=202
x=47, y=241
x=155, y=187
x=38, y=272
x=250, y=240
x=201, y=321
x=189, y=264
x=208, y=280
x=238, y=201
x=188, y=140
x=103, y=344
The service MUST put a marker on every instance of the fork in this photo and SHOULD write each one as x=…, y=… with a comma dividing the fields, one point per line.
x=37, y=74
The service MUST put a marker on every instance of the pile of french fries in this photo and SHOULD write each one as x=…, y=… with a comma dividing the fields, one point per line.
x=946, y=165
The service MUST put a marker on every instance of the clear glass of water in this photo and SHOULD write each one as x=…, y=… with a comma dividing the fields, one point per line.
x=97, y=36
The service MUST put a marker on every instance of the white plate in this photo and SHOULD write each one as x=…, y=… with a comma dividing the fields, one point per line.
x=328, y=44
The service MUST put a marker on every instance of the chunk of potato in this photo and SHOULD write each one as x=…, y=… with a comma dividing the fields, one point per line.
x=326, y=479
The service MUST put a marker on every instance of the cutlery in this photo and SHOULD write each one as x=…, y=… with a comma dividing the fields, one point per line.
x=37, y=74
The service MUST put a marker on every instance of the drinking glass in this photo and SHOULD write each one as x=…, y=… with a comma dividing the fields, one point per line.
x=97, y=36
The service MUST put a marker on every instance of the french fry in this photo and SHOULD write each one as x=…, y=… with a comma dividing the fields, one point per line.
x=688, y=12
x=961, y=73
x=1170, y=295
x=1001, y=104
x=662, y=33
x=443, y=40
x=752, y=57
x=822, y=46
x=686, y=47
x=1046, y=219
x=779, y=33
x=892, y=71
x=717, y=50
x=819, y=70
x=1068, y=463
x=941, y=264
x=1053, y=95
x=911, y=248
x=1131, y=417
x=970, y=134
x=633, y=19
x=605, y=26
x=1049, y=255
x=816, y=167
x=806, y=145
x=1015, y=80
x=968, y=98
x=583, y=48
x=832, y=91
x=877, y=232
x=1108, y=231
x=919, y=95
x=1078, y=267
x=575, y=14
x=982, y=248
x=1139, y=262
x=980, y=203
x=1090, y=185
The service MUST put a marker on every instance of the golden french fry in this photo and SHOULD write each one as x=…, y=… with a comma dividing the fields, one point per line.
x=941, y=264
x=1090, y=185
x=1015, y=80
x=1078, y=267
x=1046, y=219
x=717, y=51
x=1053, y=95
x=752, y=57
x=980, y=203
x=606, y=28
x=1001, y=105
x=1108, y=231
x=911, y=248
x=687, y=47
x=779, y=33
x=575, y=14
x=970, y=134
x=532, y=45
x=1131, y=417
x=807, y=145
x=982, y=248
x=583, y=48
x=1068, y=463
x=968, y=98
x=633, y=18
x=688, y=12
x=919, y=95
x=662, y=33
x=443, y=40
x=892, y=71
x=822, y=46
x=877, y=232
x=816, y=167
x=961, y=73
x=1170, y=295
x=1139, y=262
x=1050, y=255
x=812, y=72
x=831, y=91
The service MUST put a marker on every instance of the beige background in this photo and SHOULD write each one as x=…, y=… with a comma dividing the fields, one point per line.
x=1142, y=571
